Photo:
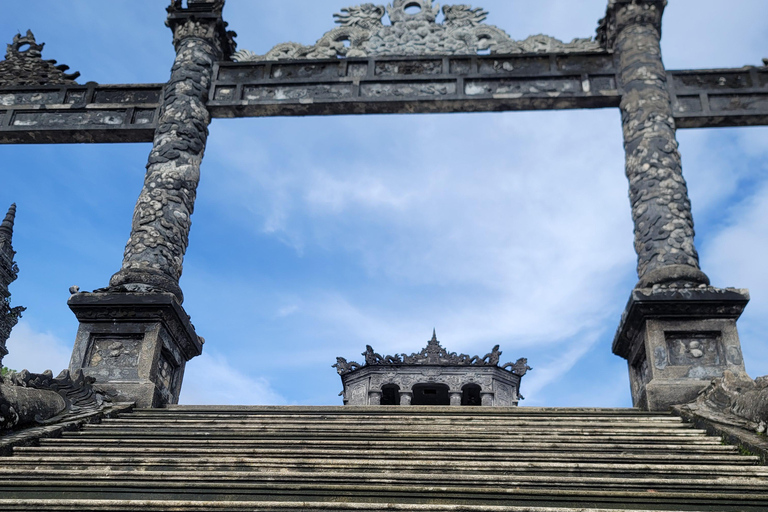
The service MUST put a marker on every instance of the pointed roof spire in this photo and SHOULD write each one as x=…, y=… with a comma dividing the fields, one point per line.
x=6, y=228
x=434, y=336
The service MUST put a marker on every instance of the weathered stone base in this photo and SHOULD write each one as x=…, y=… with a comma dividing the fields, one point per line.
x=135, y=345
x=676, y=340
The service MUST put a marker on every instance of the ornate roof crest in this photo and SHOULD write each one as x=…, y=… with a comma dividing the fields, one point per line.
x=414, y=30
x=432, y=354
x=24, y=65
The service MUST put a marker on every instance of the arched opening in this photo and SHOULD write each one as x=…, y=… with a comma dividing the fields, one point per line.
x=390, y=394
x=430, y=394
x=470, y=395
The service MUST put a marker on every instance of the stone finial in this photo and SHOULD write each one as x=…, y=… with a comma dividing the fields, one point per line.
x=6, y=228
x=8, y=272
x=24, y=65
x=201, y=19
x=622, y=13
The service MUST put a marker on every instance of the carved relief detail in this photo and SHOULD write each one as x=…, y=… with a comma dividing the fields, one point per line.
x=701, y=349
x=113, y=351
x=361, y=34
x=166, y=373
x=24, y=65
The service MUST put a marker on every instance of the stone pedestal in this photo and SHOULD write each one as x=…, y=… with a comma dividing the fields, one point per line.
x=406, y=397
x=677, y=340
x=135, y=345
x=455, y=398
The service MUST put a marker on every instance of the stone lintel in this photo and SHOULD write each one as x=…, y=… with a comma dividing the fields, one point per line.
x=135, y=345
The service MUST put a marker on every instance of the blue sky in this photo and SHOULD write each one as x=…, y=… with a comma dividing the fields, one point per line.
x=313, y=237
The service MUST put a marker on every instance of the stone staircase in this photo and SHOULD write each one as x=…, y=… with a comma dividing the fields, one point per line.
x=429, y=459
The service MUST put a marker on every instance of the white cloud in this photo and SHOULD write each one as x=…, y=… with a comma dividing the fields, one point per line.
x=211, y=380
x=736, y=257
x=36, y=351
x=547, y=373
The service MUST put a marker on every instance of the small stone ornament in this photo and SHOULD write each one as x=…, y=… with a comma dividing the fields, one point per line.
x=24, y=65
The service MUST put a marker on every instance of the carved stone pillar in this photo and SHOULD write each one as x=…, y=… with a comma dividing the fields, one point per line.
x=677, y=333
x=486, y=399
x=406, y=397
x=374, y=398
x=456, y=398
x=658, y=194
x=134, y=337
x=162, y=217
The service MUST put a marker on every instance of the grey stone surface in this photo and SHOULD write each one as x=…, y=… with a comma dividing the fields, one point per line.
x=24, y=65
x=676, y=340
x=415, y=33
x=661, y=209
x=451, y=459
x=734, y=399
x=446, y=374
x=161, y=221
x=79, y=113
x=9, y=316
x=135, y=345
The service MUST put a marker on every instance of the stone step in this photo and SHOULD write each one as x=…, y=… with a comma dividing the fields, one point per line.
x=639, y=429
x=461, y=420
x=702, y=498
x=423, y=418
x=85, y=477
x=551, y=454
x=149, y=462
x=276, y=436
x=429, y=410
x=708, y=446
x=12, y=505
x=321, y=458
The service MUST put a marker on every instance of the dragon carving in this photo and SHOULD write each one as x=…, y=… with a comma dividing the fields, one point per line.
x=414, y=30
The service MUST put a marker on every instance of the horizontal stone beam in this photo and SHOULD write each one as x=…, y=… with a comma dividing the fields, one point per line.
x=414, y=85
x=79, y=113
x=720, y=97
x=128, y=113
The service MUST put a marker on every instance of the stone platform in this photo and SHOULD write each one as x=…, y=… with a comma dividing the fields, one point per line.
x=384, y=458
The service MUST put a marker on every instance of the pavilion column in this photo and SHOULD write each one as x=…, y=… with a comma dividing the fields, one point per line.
x=677, y=332
x=661, y=209
x=162, y=218
x=134, y=337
